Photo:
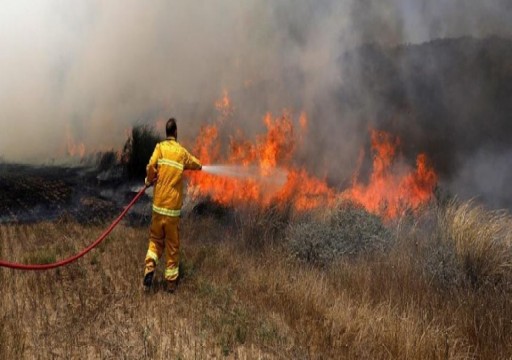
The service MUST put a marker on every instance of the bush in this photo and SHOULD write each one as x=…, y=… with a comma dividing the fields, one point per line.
x=347, y=230
x=106, y=160
x=137, y=150
x=259, y=226
x=481, y=240
x=210, y=208
x=440, y=263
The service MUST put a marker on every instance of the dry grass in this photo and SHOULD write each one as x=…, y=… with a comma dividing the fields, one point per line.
x=442, y=290
x=482, y=240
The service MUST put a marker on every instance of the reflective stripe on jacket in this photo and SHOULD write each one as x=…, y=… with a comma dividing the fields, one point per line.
x=166, y=165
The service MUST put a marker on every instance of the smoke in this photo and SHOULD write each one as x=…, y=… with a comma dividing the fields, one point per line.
x=85, y=71
x=415, y=21
x=485, y=176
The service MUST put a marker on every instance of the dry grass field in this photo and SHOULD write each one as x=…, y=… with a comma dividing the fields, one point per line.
x=433, y=286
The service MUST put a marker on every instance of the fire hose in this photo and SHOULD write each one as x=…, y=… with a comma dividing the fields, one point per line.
x=81, y=253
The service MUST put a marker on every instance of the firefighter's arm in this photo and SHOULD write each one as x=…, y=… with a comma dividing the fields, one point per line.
x=151, y=168
x=191, y=162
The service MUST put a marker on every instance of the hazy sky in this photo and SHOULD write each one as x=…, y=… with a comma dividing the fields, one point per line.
x=90, y=69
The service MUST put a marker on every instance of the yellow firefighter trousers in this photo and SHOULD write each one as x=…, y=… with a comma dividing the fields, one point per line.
x=164, y=234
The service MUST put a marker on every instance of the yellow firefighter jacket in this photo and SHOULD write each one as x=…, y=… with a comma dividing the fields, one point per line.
x=166, y=165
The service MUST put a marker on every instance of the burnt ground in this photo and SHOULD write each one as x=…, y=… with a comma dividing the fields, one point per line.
x=36, y=193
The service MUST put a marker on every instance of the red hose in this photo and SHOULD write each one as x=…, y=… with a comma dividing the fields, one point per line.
x=83, y=252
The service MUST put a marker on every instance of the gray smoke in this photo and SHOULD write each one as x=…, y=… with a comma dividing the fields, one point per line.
x=88, y=70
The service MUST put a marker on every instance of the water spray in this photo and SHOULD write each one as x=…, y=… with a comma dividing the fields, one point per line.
x=275, y=176
x=272, y=178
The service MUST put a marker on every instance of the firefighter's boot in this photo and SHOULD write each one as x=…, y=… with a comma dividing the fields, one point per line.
x=171, y=286
x=148, y=281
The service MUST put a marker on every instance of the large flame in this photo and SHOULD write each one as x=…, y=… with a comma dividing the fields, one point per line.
x=265, y=153
x=392, y=187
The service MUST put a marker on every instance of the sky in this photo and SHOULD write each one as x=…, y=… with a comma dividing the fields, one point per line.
x=88, y=70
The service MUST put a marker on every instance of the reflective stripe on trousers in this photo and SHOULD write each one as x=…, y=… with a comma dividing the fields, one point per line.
x=153, y=256
x=166, y=212
x=171, y=273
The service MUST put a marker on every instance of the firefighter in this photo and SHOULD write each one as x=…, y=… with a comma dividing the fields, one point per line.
x=165, y=170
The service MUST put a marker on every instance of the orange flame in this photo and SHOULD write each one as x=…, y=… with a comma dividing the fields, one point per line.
x=265, y=153
x=391, y=191
x=392, y=187
x=73, y=148
x=223, y=105
x=306, y=192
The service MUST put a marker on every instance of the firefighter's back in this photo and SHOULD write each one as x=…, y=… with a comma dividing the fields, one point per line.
x=168, y=195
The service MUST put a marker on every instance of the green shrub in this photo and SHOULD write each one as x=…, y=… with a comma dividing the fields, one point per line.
x=259, y=226
x=346, y=230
